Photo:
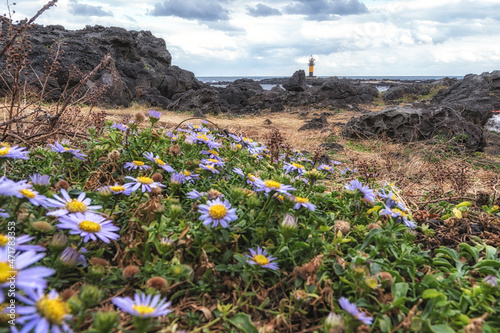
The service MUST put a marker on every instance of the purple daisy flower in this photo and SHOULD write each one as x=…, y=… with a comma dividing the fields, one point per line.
x=368, y=194
x=194, y=194
x=189, y=176
x=150, y=156
x=177, y=179
x=261, y=259
x=119, y=189
x=143, y=306
x=33, y=197
x=303, y=202
x=326, y=168
x=11, y=188
x=145, y=183
x=217, y=212
x=213, y=154
x=491, y=281
x=398, y=215
x=121, y=127
x=68, y=205
x=154, y=114
x=15, y=266
x=212, y=161
x=352, y=309
x=59, y=148
x=14, y=152
x=272, y=185
x=19, y=243
x=40, y=180
x=239, y=172
x=43, y=313
x=89, y=226
x=209, y=167
x=136, y=165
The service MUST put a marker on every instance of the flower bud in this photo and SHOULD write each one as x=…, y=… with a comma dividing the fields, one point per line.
x=98, y=262
x=114, y=155
x=334, y=323
x=96, y=272
x=70, y=257
x=175, y=150
x=104, y=322
x=289, y=221
x=42, y=226
x=157, y=177
x=90, y=295
x=58, y=242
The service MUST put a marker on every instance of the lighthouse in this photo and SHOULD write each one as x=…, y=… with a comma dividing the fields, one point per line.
x=311, y=67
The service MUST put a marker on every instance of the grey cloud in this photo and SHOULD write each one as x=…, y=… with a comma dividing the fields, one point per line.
x=205, y=10
x=322, y=10
x=262, y=10
x=76, y=8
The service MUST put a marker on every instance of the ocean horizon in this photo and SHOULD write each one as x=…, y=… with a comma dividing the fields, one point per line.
x=213, y=79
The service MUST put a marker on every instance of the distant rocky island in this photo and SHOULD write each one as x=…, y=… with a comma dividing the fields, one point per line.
x=141, y=71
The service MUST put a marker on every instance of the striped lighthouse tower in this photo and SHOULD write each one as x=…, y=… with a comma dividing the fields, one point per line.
x=311, y=67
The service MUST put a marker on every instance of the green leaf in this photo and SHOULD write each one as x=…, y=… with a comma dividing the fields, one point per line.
x=243, y=322
x=488, y=263
x=431, y=293
x=442, y=329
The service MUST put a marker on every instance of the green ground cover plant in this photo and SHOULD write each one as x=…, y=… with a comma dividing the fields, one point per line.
x=142, y=229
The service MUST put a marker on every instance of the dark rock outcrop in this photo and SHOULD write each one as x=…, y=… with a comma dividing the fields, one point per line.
x=407, y=124
x=140, y=68
x=297, y=82
x=475, y=96
x=315, y=123
x=410, y=91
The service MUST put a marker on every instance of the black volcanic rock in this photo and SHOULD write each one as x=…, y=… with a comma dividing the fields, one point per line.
x=297, y=82
x=411, y=91
x=475, y=96
x=140, y=67
x=408, y=124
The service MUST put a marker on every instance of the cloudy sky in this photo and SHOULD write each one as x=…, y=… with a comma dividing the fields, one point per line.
x=276, y=38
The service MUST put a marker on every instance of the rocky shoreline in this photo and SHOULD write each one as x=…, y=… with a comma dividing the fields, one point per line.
x=140, y=70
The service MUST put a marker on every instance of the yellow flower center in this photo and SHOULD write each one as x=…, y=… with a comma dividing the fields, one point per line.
x=261, y=259
x=238, y=146
x=54, y=310
x=4, y=151
x=213, y=152
x=187, y=173
x=399, y=211
x=210, y=167
x=3, y=240
x=27, y=193
x=118, y=188
x=251, y=177
x=75, y=206
x=160, y=162
x=66, y=148
x=145, y=180
x=217, y=211
x=212, y=160
x=301, y=200
x=174, y=138
x=272, y=184
x=89, y=226
x=6, y=272
x=143, y=309
x=138, y=163
x=327, y=168
x=298, y=166
x=202, y=137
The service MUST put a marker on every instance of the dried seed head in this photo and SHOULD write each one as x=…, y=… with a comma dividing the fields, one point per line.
x=343, y=226
x=157, y=177
x=62, y=184
x=98, y=262
x=156, y=191
x=385, y=277
x=213, y=194
x=175, y=150
x=129, y=272
x=114, y=155
x=157, y=283
x=374, y=226
x=139, y=117
x=67, y=294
